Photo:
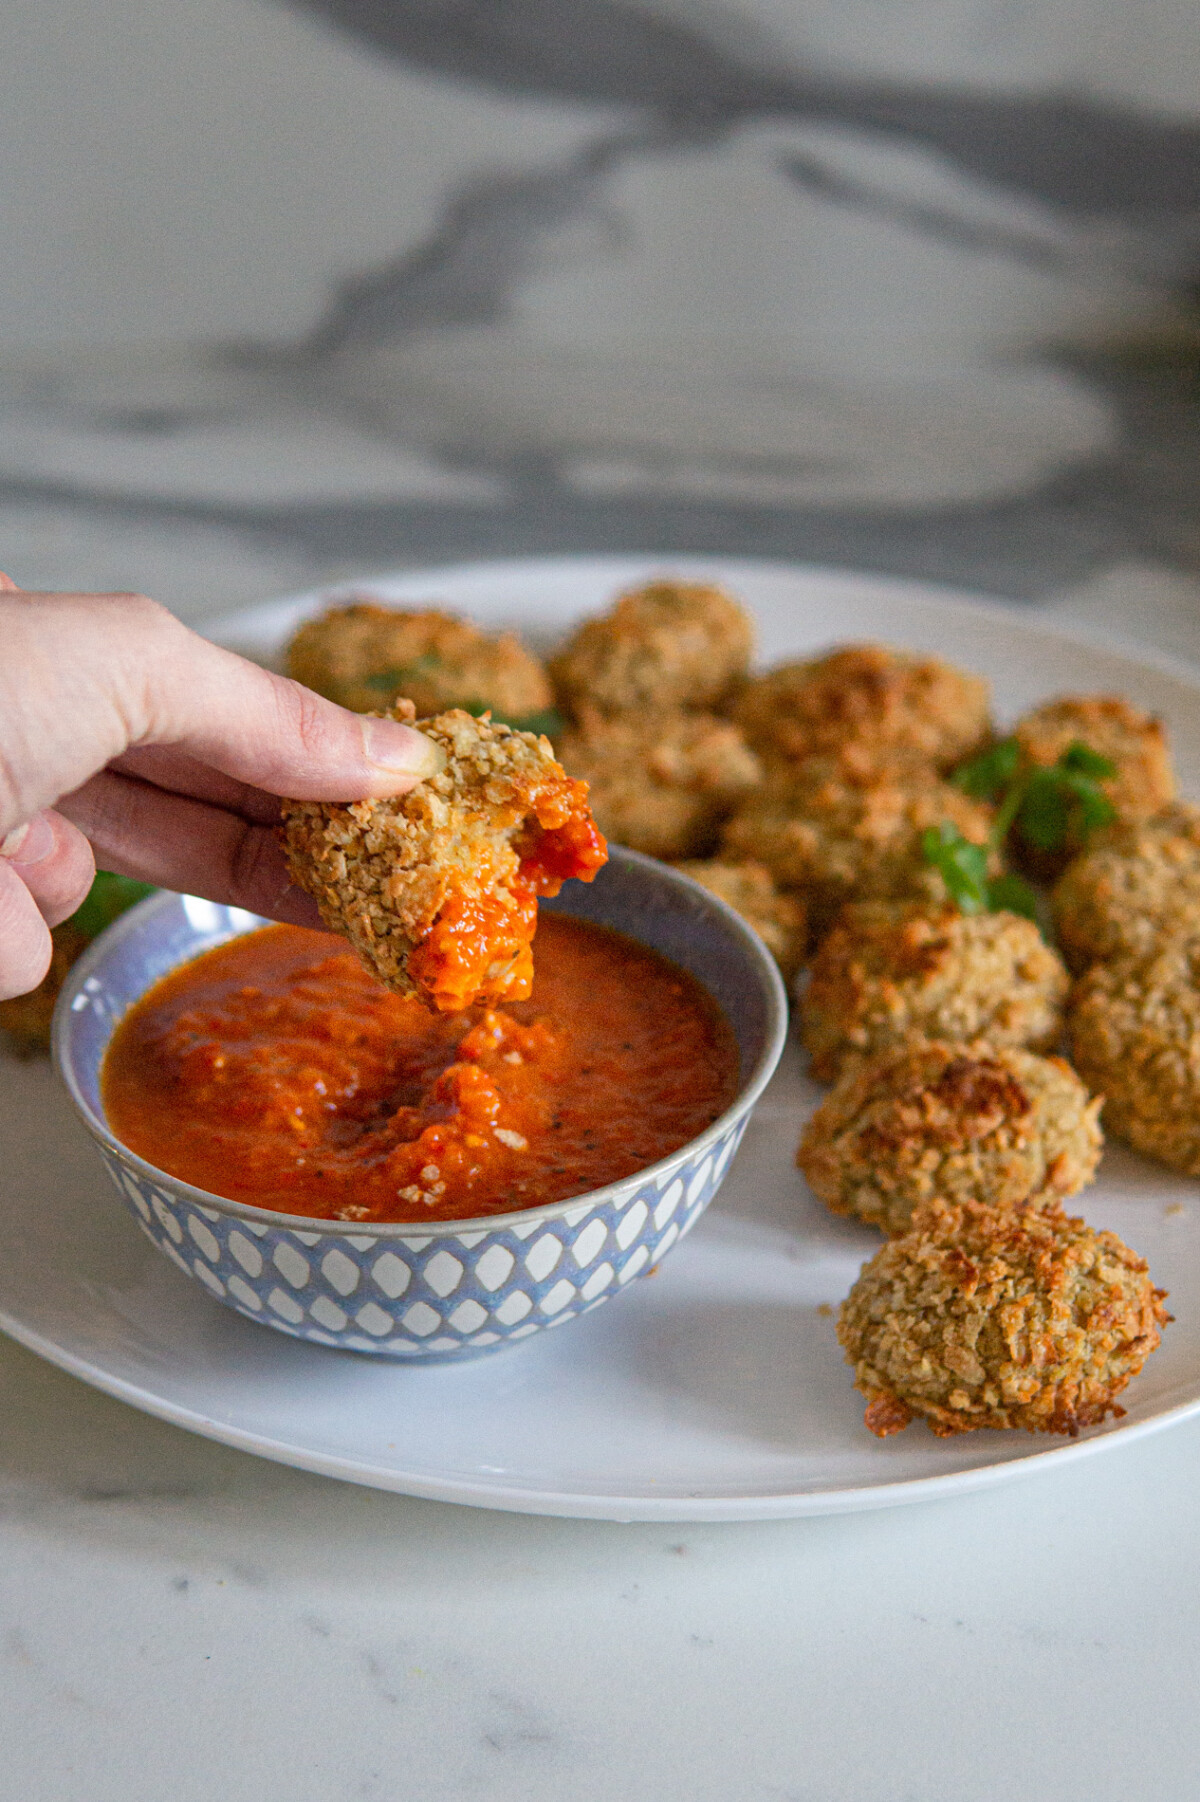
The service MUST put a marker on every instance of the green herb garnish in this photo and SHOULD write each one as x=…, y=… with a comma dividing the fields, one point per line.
x=961, y=864
x=107, y=899
x=391, y=681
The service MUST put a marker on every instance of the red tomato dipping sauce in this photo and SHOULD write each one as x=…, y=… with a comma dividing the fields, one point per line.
x=275, y=1070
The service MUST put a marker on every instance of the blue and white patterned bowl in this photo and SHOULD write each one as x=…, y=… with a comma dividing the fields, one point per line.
x=458, y=1287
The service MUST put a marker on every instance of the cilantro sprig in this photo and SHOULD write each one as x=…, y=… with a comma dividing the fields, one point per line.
x=1049, y=808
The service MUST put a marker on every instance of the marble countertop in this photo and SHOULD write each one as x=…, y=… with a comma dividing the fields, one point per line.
x=178, y=1619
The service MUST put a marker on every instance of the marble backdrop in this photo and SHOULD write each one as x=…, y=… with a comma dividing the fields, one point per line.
x=286, y=290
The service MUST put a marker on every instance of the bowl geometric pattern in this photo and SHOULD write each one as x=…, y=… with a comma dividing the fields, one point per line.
x=430, y=1295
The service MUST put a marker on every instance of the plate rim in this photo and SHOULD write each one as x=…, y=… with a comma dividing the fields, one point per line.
x=966, y=605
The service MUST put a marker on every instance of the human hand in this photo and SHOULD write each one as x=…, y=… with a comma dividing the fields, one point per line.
x=127, y=740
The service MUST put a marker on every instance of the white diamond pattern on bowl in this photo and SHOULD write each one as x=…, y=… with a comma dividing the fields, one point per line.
x=247, y=1255
x=494, y=1267
x=372, y=1319
x=467, y=1317
x=542, y=1257
x=340, y=1272
x=443, y=1273
x=589, y=1243
x=326, y=1313
x=633, y=1264
x=237, y=1285
x=631, y=1224
x=206, y=1240
x=422, y=1320
x=285, y=1305
x=668, y=1205
x=514, y=1307
x=596, y=1284
x=558, y=1297
x=208, y=1277
x=291, y=1264
x=698, y=1183
x=392, y=1274
x=166, y=1219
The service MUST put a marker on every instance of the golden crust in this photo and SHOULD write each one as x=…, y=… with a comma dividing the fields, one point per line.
x=660, y=783
x=466, y=852
x=778, y=919
x=25, y=1019
x=364, y=656
x=838, y=835
x=868, y=696
x=951, y=1121
x=985, y=1317
x=1138, y=886
x=1134, y=1029
x=668, y=644
x=891, y=972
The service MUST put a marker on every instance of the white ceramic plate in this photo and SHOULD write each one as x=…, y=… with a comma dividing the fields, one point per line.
x=713, y=1391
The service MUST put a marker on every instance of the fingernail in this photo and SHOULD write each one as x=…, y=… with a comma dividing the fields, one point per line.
x=29, y=843
x=390, y=746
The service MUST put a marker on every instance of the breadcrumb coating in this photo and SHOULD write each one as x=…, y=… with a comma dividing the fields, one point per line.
x=437, y=889
x=839, y=836
x=25, y=1019
x=869, y=696
x=779, y=920
x=364, y=656
x=986, y=1317
x=894, y=971
x=660, y=783
x=1137, y=886
x=1134, y=1029
x=957, y=1122
x=668, y=644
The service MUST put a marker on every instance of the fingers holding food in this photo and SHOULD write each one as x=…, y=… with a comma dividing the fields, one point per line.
x=437, y=889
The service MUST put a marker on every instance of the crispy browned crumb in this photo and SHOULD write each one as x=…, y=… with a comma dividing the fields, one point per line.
x=870, y=696
x=1134, y=1029
x=437, y=889
x=25, y=1019
x=364, y=656
x=1137, y=886
x=660, y=782
x=778, y=919
x=669, y=644
x=838, y=836
x=960, y=1122
x=892, y=971
x=992, y=1317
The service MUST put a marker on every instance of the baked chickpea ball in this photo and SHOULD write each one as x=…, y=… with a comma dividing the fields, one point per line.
x=989, y=1317
x=894, y=971
x=660, y=782
x=1134, y=742
x=365, y=656
x=1134, y=1028
x=838, y=837
x=669, y=644
x=950, y=1122
x=437, y=889
x=778, y=919
x=1137, y=886
x=868, y=696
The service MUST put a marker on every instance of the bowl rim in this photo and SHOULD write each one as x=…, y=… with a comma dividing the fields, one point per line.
x=130, y=922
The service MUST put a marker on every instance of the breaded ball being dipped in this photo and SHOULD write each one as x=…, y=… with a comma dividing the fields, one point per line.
x=437, y=889
x=992, y=1317
x=893, y=971
x=951, y=1121
x=884, y=702
x=668, y=644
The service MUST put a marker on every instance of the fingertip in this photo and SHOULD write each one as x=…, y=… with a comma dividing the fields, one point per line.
x=404, y=756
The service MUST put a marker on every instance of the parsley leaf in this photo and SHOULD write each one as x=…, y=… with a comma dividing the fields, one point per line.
x=990, y=774
x=1012, y=894
x=391, y=681
x=961, y=864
